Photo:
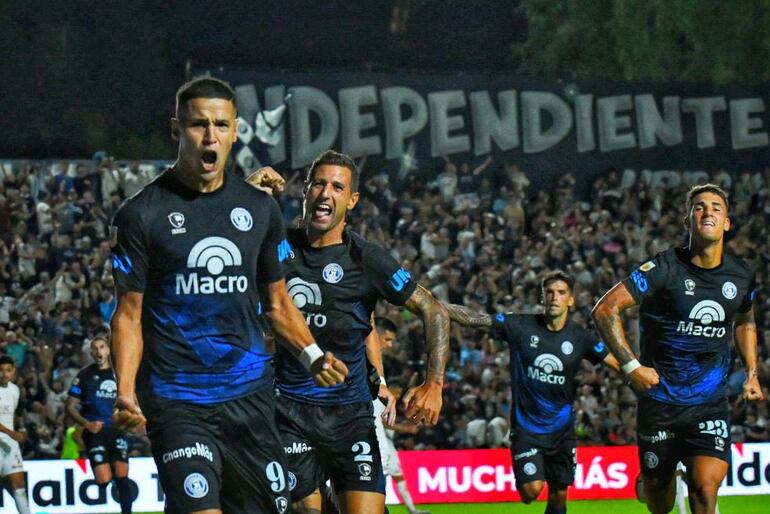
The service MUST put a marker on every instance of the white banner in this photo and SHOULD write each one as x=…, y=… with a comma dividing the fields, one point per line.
x=68, y=486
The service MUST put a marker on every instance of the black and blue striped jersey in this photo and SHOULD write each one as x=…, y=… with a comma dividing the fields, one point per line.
x=686, y=323
x=197, y=258
x=543, y=367
x=336, y=288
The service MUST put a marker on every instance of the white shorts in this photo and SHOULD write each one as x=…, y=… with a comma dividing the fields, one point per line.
x=391, y=465
x=10, y=458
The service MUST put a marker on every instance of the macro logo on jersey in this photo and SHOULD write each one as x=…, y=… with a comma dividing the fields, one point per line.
x=213, y=254
x=241, y=219
x=305, y=293
x=107, y=389
x=547, y=368
x=704, y=313
x=399, y=279
x=333, y=273
x=177, y=220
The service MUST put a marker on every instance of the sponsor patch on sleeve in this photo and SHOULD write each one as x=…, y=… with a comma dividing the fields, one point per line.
x=647, y=266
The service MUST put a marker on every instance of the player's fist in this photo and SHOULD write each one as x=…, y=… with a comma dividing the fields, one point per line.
x=643, y=378
x=752, y=391
x=389, y=400
x=267, y=180
x=127, y=414
x=328, y=370
x=423, y=403
x=94, y=426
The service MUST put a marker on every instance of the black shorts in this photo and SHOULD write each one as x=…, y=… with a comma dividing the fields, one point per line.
x=108, y=445
x=336, y=442
x=668, y=434
x=549, y=457
x=224, y=456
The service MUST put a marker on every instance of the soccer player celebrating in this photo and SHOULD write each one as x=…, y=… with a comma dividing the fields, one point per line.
x=90, y=403
x=11, y=465
x=336, y=278
x=194, y=254
x=692, y=302
x=546, y=352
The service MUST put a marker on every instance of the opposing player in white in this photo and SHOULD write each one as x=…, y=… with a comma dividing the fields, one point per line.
x=11, y=465
x=385, y=333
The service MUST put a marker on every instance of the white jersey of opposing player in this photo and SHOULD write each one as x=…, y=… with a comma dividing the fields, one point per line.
x=9, y=400
x=391, y=466
x=10, y=453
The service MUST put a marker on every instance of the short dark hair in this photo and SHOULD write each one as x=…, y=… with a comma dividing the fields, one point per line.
x=706, y=188
x=203, y=87
x=99, y=337
x=384, y=324
x=332, y=158
x=7, y=359
x=555, y=275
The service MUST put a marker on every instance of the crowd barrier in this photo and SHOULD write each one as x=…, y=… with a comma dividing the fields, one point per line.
x=444, y=476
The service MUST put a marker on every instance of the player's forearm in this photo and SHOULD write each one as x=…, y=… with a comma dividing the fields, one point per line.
x=5, y=430
x=609, y=324
x=746, y=343
x=436, y=320
x=468, y=317
x=374, y=352
x=74, y=413
x=127, y=349
x=289, y=326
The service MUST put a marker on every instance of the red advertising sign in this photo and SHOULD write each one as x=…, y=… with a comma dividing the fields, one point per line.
x=487, y=475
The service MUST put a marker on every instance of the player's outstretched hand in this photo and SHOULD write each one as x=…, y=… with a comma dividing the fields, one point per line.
x=127, y=414
x=752, y=391
x=423, y=403
x=644, y=378
x=328, y=370
x=389, y=399
x=267, y=180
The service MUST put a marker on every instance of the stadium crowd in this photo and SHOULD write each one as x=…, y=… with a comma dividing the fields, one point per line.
x=476, y=236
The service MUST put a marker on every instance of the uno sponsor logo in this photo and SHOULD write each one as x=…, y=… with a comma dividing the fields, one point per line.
x=297, y=447
x=399, y=279
x=213, y=254
x=306, y=293
x=545, y=369
x=188, y=452
x=703, y=314
x=107, y=389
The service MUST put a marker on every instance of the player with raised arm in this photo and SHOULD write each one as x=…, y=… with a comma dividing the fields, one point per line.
x=90, y=404
x=546, y=352
x=194, y=254
x=693, y=301
x=11, y=465
x=336, y=278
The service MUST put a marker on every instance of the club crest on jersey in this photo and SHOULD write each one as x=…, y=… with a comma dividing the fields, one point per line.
x=333, y=273
x=689, y=287
x=566, y=347
x=530, y=468
x=177, y=220
x=651, y=460
x=241, y=219
x=533, y=341
x=196, y=485
x=729, y=290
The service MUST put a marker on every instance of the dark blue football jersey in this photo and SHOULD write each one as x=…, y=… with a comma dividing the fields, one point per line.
x=336, y=288
x=198, y=257
x=685, y=321
x=543, y=367
x=96, y=389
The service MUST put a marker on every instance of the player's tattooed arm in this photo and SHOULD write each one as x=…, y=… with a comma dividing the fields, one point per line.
x=423, y=403
x=468, y=317
x=745, y=330
x=609, y=324
x=436, y=319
